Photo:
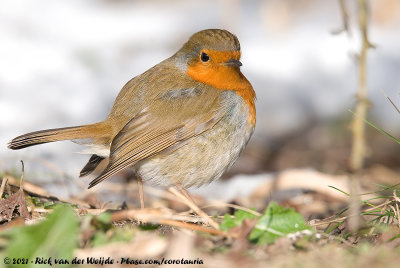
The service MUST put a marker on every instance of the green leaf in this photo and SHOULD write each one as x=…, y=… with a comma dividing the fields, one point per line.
x=102, y=221
x=124, y=234
x=106, y=233
x=100, y=238
x=49, y=205
x=277, y=222
x=114, y=234
x=229, y=222
x=149, y=226
x=55, y=237
x=104, y=218
x=36, y=201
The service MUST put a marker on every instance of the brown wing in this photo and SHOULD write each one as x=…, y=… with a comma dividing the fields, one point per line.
x=168, y=123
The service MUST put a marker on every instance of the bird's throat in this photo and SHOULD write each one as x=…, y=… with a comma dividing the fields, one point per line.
x=225, y=78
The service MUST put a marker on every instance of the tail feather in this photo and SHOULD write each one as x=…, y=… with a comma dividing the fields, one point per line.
x=91, y=165
x=58, y=134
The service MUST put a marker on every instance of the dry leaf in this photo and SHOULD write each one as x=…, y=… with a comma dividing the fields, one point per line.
x=15, y=201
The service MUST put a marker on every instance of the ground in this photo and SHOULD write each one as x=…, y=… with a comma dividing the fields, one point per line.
x=309, y=227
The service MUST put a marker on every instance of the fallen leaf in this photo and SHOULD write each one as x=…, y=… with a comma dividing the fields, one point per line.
x=55, y=237
x=15, y=201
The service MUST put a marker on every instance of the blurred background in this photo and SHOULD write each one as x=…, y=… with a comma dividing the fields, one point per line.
x=62, y=63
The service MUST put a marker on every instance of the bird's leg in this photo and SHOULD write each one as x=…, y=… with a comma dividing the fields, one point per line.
x=185, y=193
x=141, y=194
x=196, y=209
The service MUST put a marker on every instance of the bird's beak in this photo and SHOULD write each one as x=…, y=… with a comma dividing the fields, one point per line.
x=233, y=63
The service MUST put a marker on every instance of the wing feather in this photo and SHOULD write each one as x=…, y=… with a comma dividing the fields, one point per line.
x=154, y=130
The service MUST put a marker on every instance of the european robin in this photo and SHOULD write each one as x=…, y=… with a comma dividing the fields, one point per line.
x=182, y=122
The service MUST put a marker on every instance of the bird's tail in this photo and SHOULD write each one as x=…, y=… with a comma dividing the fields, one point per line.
x=93, y=132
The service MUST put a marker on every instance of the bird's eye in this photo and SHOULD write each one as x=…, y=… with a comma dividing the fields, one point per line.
x=204, y=57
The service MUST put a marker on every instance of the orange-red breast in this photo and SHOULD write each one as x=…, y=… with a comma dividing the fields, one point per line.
x=182, y=122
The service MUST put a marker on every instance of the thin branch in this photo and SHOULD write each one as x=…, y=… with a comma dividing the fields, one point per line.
x=359, y=151
x=345, y=20
x=3, y=185
x=152, y=215
x=194, y=207
x=22, y=175
x=397, y=200
x=335, y=220
x=359, y=146
x=195, y=227
x=159, y=217
x=222, y=204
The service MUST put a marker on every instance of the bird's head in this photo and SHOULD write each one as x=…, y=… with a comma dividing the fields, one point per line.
x=213, y=57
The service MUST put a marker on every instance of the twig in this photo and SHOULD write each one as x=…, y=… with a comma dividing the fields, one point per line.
x=381, y=219
x=345, y=20
x=35, y=190
x=222, y=204
x=21, y=185
x=392, y=219
x=397, y=200
x=326, y=221
x=194, y=207
x=3, y=185
x=359, y=147
x=358, y=152
x=157, y=217
x=195, y=227
x=154, y=215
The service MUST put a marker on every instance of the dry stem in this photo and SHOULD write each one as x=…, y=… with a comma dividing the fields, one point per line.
x=359, y=151
x=359, y=147
x=3, y=185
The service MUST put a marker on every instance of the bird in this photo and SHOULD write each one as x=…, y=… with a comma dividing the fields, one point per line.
x=181, y=123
